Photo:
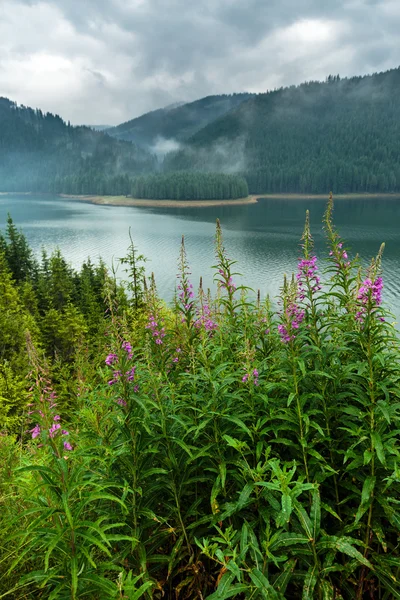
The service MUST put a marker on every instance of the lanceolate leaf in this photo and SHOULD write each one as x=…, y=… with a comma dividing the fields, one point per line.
x=310, y=582
x=366, y=496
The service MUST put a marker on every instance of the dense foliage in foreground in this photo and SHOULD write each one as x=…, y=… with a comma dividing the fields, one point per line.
x=221, y=450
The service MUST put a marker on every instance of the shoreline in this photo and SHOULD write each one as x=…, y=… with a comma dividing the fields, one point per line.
x=144, y=202
x=251, y=199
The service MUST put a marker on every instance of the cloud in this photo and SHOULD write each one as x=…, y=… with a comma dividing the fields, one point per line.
x=106, y=61
x=163, y=145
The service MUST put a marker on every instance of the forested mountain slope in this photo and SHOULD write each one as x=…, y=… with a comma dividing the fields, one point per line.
x=176, y=122
x=39, y=150
x=343, y=134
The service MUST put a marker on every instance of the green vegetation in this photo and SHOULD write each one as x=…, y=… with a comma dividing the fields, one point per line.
x=176, y=123
x=213, y=449
x=341, y=135
x=40, y=152
x=190, y=186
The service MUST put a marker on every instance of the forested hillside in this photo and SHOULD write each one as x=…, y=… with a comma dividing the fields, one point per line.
x=178, y=122
x=39, y=150
x=343, y=134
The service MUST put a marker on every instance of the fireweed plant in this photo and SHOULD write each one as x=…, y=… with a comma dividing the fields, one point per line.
x=223, y=450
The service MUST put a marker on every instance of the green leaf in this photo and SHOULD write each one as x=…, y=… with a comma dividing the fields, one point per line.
x=288, y=539
x=328, y=591
x=141, y=591
x=233, y=590
x=243, y=541
x=262, y=584
x=377, y=443
x=284, y=577
x=245, y=495
x=344, y=545
x=174, y=553
x=305, y=521
x=74, y=575
x=330, y=510
x=286, y=507
x=224, y=588
x=241, y=424
x=384, y=408
x=222, y=472
x=310, y=582
x=389, y=585
x=315, y=514
x=366, y=497
x=367, y=457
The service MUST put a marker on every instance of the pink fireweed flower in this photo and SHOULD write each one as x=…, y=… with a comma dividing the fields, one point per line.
x=116, y=377
x=67, y=446
x=307, y=276
x=245, y=377
x=204, y=319
x=157, y=329
x=130, y=375
x=35, y=431
x=369, y=291
x=57, y=418
x=293, y=317
x=111, y=359
x=121, y=402
x=53, y=429
x=64, y=432
x=128, y=349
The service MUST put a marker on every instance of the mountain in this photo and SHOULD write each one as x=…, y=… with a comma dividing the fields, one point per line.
x=341, y=134
x=161, y=129
x=41, y=152
x=99, y=127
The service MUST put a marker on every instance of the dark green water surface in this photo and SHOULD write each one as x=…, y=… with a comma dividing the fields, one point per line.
x=263, y=238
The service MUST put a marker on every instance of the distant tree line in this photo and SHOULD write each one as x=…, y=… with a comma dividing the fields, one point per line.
x=190, y=186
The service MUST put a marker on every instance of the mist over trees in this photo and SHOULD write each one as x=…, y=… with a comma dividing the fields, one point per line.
x=342, y=134
x=38, y=150
x=176, y=122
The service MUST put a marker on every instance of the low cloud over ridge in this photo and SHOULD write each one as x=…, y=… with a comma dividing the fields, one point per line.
x=106, y=61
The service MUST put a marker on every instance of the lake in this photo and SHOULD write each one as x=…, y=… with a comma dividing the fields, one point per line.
x=264, y=237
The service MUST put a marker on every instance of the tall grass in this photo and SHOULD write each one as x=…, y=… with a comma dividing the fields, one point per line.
x=225, y=450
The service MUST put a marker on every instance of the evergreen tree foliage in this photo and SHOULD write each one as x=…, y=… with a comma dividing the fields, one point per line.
x=190, y=186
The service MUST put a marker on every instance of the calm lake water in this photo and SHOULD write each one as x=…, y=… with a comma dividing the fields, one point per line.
x=263, y=238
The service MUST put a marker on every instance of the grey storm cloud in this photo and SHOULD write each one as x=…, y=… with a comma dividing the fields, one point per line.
x=106, y=61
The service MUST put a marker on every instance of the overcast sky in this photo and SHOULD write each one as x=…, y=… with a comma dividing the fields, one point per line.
x=106, y=61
